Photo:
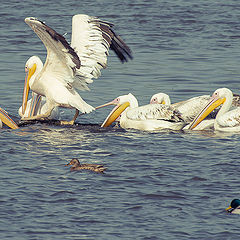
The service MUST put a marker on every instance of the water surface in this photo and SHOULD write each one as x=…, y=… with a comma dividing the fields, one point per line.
x=167, y=185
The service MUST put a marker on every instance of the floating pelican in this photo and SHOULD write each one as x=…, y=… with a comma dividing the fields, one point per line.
x=69, y=67
x=37, y=105
x=149, y=117
x=4, y=118
x=234, y=207
x=188, y=108
x=227, y=121
x=160, y=98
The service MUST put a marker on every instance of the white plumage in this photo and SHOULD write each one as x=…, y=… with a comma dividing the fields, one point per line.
x=227, y=121
x=68, y=67
x=148, y=117
x=188, y=108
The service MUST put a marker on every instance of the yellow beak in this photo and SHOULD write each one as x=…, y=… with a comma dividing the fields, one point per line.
x=228, y=208
x=29, y=74
x=210, y=106
x=7, y=120
x=114, y=114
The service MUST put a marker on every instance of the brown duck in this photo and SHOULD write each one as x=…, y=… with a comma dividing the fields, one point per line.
x=76, y=166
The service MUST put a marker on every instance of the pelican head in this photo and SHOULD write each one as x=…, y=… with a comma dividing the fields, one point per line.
x=160, y=98
x=121, y=103
x=220, y=96
x=32, y=67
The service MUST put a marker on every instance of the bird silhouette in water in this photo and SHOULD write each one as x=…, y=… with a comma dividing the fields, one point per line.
x=76, y=166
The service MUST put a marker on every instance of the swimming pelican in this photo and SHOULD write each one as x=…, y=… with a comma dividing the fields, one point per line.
x=227, y=121
x=161, y=98
x=188, y=108
x=37, y=105
x=5, y=118
x=70, y=66
x=191, y=107
x=149, y=117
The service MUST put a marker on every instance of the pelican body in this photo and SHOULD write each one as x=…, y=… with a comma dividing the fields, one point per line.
x=70, y=67
x=149, y=117
x=227, y=121
x=188, y=108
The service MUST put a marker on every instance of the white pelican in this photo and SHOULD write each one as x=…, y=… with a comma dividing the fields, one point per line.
x=188, y=108
x=160, y=98
x=5, y=118
x=149, y=117
x=70, y=66
x=227, y=121
x=37, y=105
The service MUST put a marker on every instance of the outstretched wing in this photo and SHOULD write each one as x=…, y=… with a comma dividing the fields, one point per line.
x=91, y=39
x=62, y=61
x=154, y=111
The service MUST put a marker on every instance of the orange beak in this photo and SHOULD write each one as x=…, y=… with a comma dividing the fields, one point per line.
x=114, y=114
x=212, y=104
x=7, y=120
x=26, y=88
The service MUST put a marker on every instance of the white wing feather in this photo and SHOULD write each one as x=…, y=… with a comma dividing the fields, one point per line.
x=230, y=119
x=78, y=64
x=154, y=111
x=191, y=107
x=91, y=46
x=62, y=61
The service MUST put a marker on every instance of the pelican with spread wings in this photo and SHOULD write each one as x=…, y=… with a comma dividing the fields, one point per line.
x=70, y=66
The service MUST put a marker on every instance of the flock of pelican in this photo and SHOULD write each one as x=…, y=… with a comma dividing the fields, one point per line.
x=197, y=113
x=68, y=67
x=72, y=66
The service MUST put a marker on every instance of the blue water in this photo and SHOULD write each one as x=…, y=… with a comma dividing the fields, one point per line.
x=168, y=185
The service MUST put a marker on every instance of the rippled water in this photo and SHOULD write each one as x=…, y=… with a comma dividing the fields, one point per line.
x=168, y=185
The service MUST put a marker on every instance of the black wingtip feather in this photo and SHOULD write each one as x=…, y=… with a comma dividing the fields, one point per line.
x=120, y=48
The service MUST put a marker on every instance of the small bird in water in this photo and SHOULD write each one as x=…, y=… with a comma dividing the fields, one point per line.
x=76, y=166
x=234, y=207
